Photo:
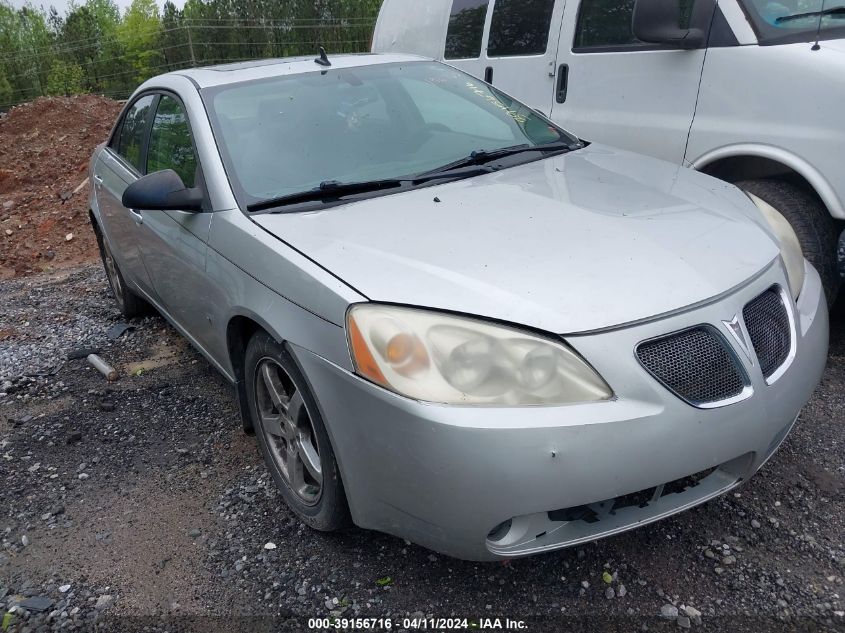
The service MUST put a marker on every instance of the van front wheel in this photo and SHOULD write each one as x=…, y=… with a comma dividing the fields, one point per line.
x=813, y=224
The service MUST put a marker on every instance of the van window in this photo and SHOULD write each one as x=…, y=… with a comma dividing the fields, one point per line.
x=520, y=27
x=466, y=27
x=605, y=23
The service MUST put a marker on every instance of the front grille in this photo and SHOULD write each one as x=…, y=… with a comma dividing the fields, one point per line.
x=694, y=364
x=768, y=326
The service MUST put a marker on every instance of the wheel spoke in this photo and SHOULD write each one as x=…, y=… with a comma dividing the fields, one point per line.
x=295, y=408
x=273, y=424
x=289, y=431
x=310, y=459
x=274, y=388
x=296, y=471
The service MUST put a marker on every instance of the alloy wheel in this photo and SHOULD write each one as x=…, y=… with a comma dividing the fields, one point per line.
x=288, y=431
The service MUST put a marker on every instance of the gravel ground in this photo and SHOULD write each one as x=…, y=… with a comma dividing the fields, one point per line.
x=141, y=505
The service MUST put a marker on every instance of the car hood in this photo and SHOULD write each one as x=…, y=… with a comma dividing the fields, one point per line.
x=582, y=241
x=834, y=45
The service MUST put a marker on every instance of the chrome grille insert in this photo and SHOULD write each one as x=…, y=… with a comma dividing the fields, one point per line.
x=696, y=365
x=768, y=327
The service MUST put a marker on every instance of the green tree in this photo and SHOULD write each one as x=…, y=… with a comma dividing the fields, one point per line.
x=138, y=33
x=5, y=89
x=115, y=52
x=66, y=78
x=25, y=50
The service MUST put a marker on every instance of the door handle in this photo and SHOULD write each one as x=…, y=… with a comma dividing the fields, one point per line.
x=98, y=180
x=562, y=83
x=488, y=75
x=136, y=216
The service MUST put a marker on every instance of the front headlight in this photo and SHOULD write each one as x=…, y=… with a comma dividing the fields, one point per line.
x=452, y=360
x=790, y=247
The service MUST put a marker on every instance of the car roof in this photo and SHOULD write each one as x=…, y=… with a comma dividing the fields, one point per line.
x=223, y=74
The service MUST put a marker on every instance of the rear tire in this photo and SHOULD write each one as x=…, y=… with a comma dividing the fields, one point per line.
x=292, y=436
x=129, y=303
x=813, y=224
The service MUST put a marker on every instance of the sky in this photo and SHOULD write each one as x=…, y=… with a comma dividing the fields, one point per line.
x=61, y=5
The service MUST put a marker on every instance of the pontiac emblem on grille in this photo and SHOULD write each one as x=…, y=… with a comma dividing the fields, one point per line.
x=735, y=328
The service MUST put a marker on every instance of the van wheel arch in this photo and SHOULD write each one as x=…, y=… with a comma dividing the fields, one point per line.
x=793, y=195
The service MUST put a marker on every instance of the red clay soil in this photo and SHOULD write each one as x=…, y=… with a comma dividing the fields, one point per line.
x=45, y=146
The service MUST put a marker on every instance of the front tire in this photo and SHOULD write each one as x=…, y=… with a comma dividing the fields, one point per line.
x=292, y=436
x=813, y=224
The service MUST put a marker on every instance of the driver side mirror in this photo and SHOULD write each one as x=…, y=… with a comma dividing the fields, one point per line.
x=162, y=191
x=658, y=22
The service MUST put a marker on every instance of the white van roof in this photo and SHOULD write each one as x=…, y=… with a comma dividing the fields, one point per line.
x=412, y=26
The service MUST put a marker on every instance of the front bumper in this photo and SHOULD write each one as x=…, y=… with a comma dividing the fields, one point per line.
x=445, y=476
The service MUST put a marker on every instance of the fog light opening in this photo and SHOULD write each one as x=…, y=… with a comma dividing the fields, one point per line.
x=500, y=531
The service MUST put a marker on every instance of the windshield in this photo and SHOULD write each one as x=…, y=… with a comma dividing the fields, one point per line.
x=796, y=20
x=287, y=135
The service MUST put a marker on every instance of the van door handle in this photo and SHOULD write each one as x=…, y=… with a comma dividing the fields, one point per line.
x=136, y=216
x=562, y=83
x=98, y=180
x=488, y=75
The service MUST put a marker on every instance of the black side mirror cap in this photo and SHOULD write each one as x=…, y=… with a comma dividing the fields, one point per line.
x=658, y=22
x=163, y=191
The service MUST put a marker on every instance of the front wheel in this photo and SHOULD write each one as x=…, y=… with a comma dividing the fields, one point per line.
x=813, y=224
x=292, y=437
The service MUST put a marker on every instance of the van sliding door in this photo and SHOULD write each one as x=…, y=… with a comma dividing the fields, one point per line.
x=465, y=39
x=521, y=49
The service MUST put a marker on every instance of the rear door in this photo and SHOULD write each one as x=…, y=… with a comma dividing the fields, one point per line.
x=118, y=166
x=622, y=91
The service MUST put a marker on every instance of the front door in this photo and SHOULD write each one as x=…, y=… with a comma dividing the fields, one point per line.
x=173, y=243
x=621, y=91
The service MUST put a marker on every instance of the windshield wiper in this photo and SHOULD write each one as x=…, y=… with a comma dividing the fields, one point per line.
x=333, y=190
x=327, y=190
x=840, y=10
x=482, y=156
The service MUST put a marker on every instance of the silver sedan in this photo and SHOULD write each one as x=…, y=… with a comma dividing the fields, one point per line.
x=445, y=317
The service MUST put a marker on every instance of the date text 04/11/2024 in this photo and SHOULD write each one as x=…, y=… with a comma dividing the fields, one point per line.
x=412, y=623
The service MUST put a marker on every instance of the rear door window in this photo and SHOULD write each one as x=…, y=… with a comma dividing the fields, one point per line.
x=607, y=23
x=134, y=126
x=466, y=28
x=520, y=27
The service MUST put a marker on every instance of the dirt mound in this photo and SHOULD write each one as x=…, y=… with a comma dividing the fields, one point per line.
x=45, y=146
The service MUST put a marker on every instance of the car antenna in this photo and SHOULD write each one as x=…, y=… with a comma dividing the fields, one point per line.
x=323, y=59
x=816, y=46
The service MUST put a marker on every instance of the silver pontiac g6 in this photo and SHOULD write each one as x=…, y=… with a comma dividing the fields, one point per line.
x=445, y=317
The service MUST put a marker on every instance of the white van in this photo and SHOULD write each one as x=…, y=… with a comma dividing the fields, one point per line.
x=750, y=91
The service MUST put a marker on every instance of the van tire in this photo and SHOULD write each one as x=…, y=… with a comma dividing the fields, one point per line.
x=812, y=222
